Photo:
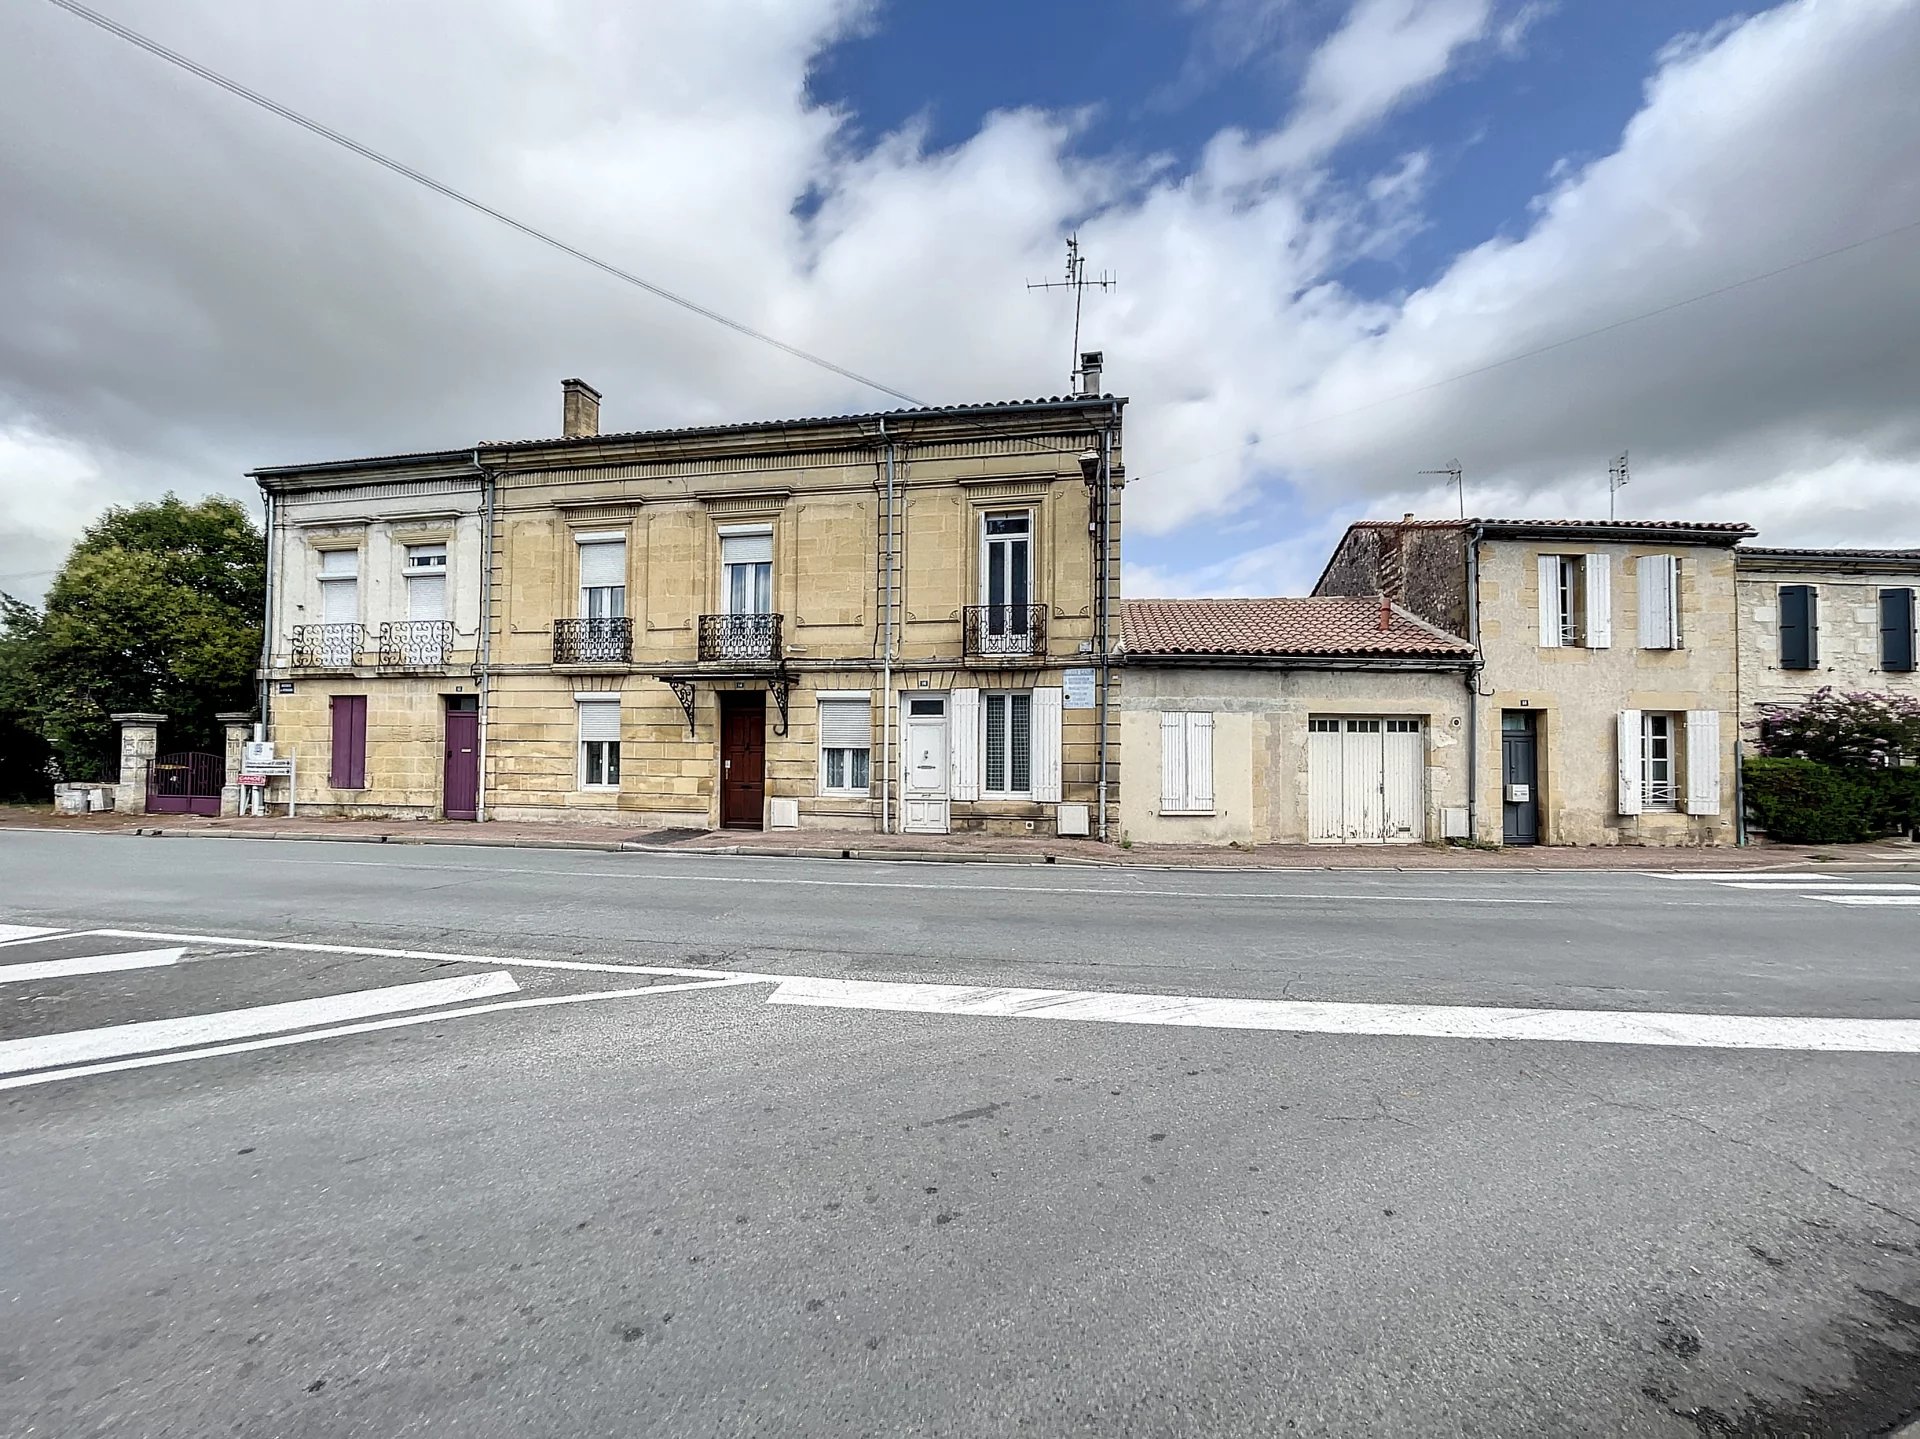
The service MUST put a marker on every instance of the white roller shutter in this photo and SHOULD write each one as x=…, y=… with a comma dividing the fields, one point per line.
x=1200, y=760
x=752, y=549
x=964, y=754
x=340, y=602
x=1046, y=744
x=603, y=564
x=846, y=724
x=1703, y=761
x=599, y=720
x=1550, y=601
x=1599, y=577
x=1630, y=764
x=426, y=597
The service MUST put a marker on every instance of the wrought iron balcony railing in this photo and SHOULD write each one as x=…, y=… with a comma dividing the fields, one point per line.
x=1005, y=631
x=740, y=637
x=415, y=644
x=327, y=647
x=605, y=641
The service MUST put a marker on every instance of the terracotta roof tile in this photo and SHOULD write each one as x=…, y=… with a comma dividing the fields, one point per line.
x=1710, y=527
x=1330, y=626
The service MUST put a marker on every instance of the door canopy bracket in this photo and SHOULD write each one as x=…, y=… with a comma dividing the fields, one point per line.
x=780, y=683
x=682, y=691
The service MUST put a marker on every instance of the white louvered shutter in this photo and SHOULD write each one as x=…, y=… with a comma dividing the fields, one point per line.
x=1200, y=760
x=964, y=754
x=1703, y=761
x=1630, y=762
x=846, y=724
x=1659, y=602
x=1046, y=744
x=603, y=564
x=599, y=720
x=1550, y=601
x=1173, y=760
x=1599, y=577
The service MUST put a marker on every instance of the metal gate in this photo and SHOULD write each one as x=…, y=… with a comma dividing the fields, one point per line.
x=186, y=783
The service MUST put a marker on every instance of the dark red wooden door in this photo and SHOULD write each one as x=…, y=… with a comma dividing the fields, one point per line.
x=743, y=760
x=460, y=792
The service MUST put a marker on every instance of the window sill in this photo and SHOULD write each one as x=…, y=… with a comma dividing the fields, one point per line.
x=598, y=789
x=860, y=794
x=1187, y=813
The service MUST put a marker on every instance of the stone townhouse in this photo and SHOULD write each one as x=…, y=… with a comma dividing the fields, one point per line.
x=1286, y=721
x=1813, y=618
x=1604, y=701
x=893, y=621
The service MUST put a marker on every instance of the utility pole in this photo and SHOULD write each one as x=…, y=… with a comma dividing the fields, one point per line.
x=1077, y=282
x=1616, y=482
x=1454, y=478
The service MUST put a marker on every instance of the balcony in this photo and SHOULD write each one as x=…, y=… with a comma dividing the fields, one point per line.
x=415, y=644
x=606, y=641
x=327, y=647
x=1004, y=632
x=740, y=637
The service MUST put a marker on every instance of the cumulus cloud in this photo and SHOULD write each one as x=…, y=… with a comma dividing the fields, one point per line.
x=193, y=288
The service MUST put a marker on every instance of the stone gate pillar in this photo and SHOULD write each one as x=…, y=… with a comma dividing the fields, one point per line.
x=239, y=725
x=139, y=742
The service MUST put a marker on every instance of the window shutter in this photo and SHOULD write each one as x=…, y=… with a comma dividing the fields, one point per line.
x=427, y=597
x=1896, y=630
x=1630, y=762
x=1793, y=627
x=747, y=549
x=1200, y=760
x=340, y=602
x=347, y=757
x=1173, y=760
x=1703, y=761
x=846, y=724
x=599, y=720
x=1046, y=744
x=339, y=562
x=1659, y=602
x=964, y=753
x=1599, y=572
x=1813, y=627
x=1550, y=601
x=1676, y=603
x=603, y=564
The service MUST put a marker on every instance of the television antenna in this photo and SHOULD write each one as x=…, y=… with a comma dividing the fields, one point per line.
x=1077, y=282
x=1454, y=478
x=1616, y=482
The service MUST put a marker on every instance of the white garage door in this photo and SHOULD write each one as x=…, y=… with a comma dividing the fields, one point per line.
x=1366, y=781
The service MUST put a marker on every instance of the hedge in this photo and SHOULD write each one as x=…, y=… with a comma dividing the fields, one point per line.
x=1800, y=801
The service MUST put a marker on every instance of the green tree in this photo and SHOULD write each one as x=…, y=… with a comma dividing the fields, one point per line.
x=157, y=608
x=23, y=749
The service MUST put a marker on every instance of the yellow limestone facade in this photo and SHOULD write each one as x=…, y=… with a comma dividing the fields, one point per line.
x=894, y=621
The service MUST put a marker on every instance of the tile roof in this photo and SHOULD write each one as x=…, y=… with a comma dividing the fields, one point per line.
x=1772, y=553
x=1328, y=626
x=1712, y=527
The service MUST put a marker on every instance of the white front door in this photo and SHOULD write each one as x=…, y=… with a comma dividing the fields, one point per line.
x=923, y=764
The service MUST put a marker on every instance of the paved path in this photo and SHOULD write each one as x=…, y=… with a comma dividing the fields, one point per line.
x=302, y=1140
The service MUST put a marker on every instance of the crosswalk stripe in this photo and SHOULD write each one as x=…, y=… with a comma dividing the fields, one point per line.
x=1818, y=888
x=1426, y=1021
x=78, y=1046
x=89, y=964
x=1899, y=899
x=14, y=933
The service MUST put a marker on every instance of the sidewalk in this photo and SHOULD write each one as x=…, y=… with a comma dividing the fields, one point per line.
x=964, y=848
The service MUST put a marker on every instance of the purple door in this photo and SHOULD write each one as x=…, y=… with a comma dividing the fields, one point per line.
x=461, y=778
x=185, y=784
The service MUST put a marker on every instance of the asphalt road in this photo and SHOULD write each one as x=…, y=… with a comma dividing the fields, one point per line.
x=604, y=1199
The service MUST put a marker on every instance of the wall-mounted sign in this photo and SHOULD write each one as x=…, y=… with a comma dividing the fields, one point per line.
x=1076, y=689
x=284, y=687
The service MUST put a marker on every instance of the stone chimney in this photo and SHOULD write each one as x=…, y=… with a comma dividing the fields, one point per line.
x=1393, y=564
x=579, y=409
x=1091, y=363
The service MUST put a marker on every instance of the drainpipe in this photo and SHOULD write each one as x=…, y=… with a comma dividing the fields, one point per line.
x=486, y=631
x=266, y=619
x=886, y=647
x=1473, y=683
x=1104, y=571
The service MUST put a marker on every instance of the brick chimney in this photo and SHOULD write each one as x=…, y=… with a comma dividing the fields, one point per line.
x=579, y=409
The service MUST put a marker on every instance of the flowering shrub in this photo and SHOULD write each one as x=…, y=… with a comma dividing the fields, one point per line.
x=1847, y=731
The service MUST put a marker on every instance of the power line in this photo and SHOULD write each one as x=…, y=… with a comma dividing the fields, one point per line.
x=366, y=152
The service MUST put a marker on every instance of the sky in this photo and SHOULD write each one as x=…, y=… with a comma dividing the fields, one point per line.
x=1355, y=240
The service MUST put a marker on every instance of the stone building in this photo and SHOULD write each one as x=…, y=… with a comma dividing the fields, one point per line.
x=1606, y=696
x=893, y=621
x=1813, y=618
x=1288, y=721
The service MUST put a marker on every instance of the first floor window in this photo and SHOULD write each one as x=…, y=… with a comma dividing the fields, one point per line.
x=599, y=744
x=1657, y=767
x=1009, y=735
x=846, y=740
x=603, y=576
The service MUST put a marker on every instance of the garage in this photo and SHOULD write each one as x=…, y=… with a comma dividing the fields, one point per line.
x=1366, y=780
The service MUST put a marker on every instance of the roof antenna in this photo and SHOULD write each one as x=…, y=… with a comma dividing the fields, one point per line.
x=1616, y=482
x=1454, y=478
x=1077, y=282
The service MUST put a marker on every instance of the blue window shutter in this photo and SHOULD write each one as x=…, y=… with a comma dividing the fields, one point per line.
x=1796, y=627
x=1896, y=630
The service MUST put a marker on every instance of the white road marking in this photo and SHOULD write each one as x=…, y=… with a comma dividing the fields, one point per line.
x=1867, y=898
x=76, y=1046
x=590, y=966
x=1861, y=888
x=89, y=964
x=1774, y=876
x=181, y=1056
x=20, y=933
x=1709, y=1031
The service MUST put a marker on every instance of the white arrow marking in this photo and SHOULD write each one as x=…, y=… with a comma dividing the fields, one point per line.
x=89, y=964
